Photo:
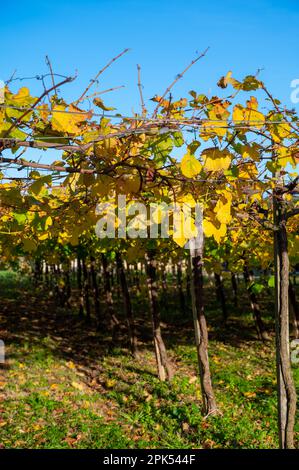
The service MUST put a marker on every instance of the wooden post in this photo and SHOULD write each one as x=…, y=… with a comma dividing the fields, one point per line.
x=127, y=305
x=96, y=292
x=196, y=246
x=164, y=368
x=285, y=385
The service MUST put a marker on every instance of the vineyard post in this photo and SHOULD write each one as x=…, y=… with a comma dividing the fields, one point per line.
x=164, y=368
x=80, y=285
x=127, y=305
x=86, y=287
x=200, y=325
x=285, y=385
x=221, y=295
x=96, y=292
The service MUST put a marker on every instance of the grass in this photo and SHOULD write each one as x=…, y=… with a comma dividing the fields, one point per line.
x=64, y=386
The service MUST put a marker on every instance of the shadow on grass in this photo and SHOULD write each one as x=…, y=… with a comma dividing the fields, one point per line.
x=30, y=316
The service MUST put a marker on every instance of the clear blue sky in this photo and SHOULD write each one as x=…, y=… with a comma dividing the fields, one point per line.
x=163, y=36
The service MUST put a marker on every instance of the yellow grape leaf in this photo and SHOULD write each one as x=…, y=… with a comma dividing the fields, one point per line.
x=128, y=184
x=190, y=166
x=178, y=230
x=107, y=149
x=190, y=229
x=253, y=117
x=279, y=131
x=22, y=98
x=223, y=212
x=252, y=103
x=29, y=245
x=78, y=386
x=216, y=125
x=72, y=181
x=99, y=103
x=74, y=239
x=186, y=199
x=211, y=128
x=69, y=120
x=158, y=213
x=44, y=111
x=247, y=171
x=18, y=100
x=283, y=130
x=223, y=82
x=226, y=194
x=252, y=151
x=208, y=228
x=286, y=156
x=238, y=114
x=2, y=116
x=221, y=232
x=49, y=221
x=215, y=159
x=63, y=237
x=34, y=174
x=181, y=241
x=43, y=236
x=211, y=230
x=101, y=186
x=36, y=187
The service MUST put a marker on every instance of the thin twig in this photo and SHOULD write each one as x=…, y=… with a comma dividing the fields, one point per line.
x=140, y=91
x=178, y=77
x=48, y=62
x=11, y=77
x=104, y=91
x=100, y=73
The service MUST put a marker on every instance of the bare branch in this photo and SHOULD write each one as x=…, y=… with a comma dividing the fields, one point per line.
x=51, y=70
x=26, y=164
x=45, y=93
x=140, y=91
x=178, y=77
x=100, y=73
x=105, y=91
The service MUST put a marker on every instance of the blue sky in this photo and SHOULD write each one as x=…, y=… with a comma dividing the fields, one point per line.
x=163, y=37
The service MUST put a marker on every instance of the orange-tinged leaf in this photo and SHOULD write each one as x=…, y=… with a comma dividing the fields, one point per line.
x=64, y=120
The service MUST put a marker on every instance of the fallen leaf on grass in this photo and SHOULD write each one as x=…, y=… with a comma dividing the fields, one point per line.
x=72, y=440
x=185, y=427
x=78, y=386
x=110, y=383
x=193, y=379
x=70, y=365
x=54, y=386
x=216, y=359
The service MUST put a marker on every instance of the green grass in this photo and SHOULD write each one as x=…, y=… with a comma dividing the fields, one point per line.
x=56, y=393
